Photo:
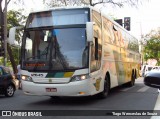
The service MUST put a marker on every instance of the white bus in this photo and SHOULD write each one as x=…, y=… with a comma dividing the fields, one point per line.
x=76, y=52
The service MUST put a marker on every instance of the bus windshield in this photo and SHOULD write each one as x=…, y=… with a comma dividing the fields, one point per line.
x=55, y=49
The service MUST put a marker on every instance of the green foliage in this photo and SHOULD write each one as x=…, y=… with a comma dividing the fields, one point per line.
x=16, y=54
x=2, y=62
x=152, y=49
x=14, y=18
x=8, y=60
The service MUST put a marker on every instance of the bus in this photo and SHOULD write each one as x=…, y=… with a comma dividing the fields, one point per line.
x=76, y=52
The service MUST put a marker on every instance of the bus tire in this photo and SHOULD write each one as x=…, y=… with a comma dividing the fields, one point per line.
x=106, y=90
x=132, y=82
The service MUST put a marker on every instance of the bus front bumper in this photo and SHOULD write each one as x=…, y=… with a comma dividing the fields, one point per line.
x=77, y=88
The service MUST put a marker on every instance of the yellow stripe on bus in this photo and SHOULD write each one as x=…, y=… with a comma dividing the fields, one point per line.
x=68, y=74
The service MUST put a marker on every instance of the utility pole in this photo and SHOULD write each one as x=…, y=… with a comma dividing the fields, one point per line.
x=5, y=33
x=141, y=43
x=1, y=31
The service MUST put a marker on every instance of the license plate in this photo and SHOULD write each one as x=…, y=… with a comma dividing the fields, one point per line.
x=51, y=89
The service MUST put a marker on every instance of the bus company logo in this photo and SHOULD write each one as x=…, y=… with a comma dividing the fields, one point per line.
x=37, y=75
x=50, y=80
x=6, y=113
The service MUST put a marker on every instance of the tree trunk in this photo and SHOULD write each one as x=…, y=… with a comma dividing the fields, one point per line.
x=12, y=59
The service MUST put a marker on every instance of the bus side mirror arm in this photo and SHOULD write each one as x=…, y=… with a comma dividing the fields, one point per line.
x=89, y=31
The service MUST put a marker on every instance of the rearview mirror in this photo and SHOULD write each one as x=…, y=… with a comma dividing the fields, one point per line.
x=11, y=38
x=12, y=35
x=89, y=31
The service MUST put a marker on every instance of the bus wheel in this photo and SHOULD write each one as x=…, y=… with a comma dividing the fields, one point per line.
x=106, y=90
x=132, y=82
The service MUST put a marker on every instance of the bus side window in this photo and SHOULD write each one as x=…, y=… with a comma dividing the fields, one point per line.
x=96, y=48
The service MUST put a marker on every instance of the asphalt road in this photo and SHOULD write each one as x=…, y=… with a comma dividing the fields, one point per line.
x=138, y=97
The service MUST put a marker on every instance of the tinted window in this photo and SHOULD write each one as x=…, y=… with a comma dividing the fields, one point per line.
x=58, y=17
x=1, y=71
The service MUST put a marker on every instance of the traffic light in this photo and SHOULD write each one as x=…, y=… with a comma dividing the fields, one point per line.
x=127, y=21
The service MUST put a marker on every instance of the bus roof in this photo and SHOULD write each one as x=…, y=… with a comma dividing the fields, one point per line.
x=61, y=8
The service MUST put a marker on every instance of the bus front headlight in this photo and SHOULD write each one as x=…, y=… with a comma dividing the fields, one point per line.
x=26, y=78
x=80, y=77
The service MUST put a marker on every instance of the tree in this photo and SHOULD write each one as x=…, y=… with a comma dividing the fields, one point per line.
x=152, y=46
x=120, y=3
x=14, y=18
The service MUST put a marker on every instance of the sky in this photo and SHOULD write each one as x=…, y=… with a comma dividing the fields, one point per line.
x=144, y=18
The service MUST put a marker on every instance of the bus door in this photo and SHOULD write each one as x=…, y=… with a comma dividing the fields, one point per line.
x=95, y=60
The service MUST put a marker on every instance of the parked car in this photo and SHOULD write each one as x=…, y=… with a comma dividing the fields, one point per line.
x=152, y=79
x=145, y=69
x=7, y=82
x=156, y=68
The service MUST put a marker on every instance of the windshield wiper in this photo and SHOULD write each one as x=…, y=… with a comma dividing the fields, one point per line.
x=45, y=52
x=61, y=59
x=56, y=54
